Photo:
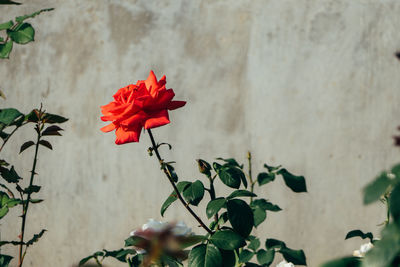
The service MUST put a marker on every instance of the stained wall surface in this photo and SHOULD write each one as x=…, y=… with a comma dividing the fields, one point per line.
x=309, y=84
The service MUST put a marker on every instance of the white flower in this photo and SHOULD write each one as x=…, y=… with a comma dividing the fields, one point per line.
x=363, y=250
x=285, y=264
x=179, y=229
x=154, y=225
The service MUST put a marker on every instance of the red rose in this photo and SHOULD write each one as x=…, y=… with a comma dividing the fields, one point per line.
x=145, y=104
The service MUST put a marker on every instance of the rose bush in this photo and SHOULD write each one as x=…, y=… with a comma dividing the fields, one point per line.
x=227, y=240
x=144, y=105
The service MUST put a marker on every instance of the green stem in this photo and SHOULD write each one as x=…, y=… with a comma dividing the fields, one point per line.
x=252, y=183
x=26, y=205
x=212, y=196
x=168, y=174
x=387, y=210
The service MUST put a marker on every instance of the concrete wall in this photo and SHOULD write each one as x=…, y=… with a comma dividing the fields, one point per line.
x=309, y=84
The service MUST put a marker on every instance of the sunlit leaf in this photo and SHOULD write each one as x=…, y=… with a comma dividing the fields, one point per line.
x=6, y=25
x=22, y=34
x=5, y=50
x=22, y=18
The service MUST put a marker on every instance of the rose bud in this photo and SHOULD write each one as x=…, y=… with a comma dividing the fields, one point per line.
x=204, y=167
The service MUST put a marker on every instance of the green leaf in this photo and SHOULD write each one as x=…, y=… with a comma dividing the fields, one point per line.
x=22, y=34
x=265, y=257
x=10, y=175
x=245, y=256
x=136, y=261
x=344, y=262
x=6, y=25
x=394, y=204
x=259, y=215
x=231, y=176
x=265, y=205
x=94, y=255
x=36, y=237
x=120, y=254
x=12, y=202
x=53, y=118
x=254, y=243
x=3, y=212
x=194, y=193
x=171, y=171
x=359, y=233
x=214, y=206
x=26, y=145
x=5, y=260
x=5, y=49
x=32, y=189
x=46, y=143
x=32, y=116
x=52, y=130
x=191, y=240
x=35, y=201
x=15, y=243
x=374, y=190
x=232, y=161
x=296, y=183
x=271, y=168
x=297, y=257
x=241, y=193
x=34, y=14
x=227, y=240
x=9, y=2
x=384, y=250
x=228, y=258
x=264, y=178
x=240, y=216
x=274, y=243
x=205, y=256
x=204, y=167
x=9, y=115
x=4, y=198
x=172, y=197
x=135, y=241
x=223, y=218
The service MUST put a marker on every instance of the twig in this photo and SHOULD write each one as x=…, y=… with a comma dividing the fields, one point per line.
x=26, y=206
x=168, y=174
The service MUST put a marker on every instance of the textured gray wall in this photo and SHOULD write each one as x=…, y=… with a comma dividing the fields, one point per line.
x=309, y=84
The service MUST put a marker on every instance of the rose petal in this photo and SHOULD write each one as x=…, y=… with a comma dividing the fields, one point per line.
x=157, y=119
x=162, y=81
x=152, y=84
x=137, y=119
x=127, y=136
x=176, y=104
x=164, y=98
x=108, y=128
x=113, y=108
